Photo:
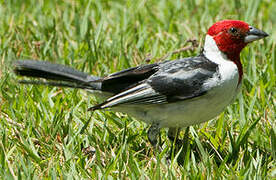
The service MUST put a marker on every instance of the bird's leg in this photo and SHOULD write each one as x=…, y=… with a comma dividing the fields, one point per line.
x=153, y=133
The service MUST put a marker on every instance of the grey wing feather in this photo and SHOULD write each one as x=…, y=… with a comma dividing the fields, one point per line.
x=140, y=94
x=183, y=79
x=174, y=81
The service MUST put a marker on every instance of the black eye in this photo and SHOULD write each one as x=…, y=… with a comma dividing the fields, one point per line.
x=233, y=30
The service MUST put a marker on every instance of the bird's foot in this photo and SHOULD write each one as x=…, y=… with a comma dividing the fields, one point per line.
x=153, y=134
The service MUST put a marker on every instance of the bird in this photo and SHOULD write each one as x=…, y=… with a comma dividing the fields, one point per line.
x=170, y=94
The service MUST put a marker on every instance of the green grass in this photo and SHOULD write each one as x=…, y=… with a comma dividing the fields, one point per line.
x=46, y=132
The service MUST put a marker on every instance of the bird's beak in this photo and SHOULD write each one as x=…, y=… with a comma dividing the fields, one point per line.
x=254, y=34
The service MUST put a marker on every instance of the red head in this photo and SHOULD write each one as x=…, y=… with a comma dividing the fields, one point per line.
x=231, y=36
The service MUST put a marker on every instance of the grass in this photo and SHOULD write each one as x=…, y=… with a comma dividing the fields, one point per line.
x=46, y=132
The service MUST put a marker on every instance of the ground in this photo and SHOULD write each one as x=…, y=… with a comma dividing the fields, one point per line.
x=47, y=132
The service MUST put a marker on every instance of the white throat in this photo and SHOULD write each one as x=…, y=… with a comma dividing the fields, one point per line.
x=212, y=52
x=228, y=70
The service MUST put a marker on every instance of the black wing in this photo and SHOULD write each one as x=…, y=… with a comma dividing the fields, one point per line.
x=174, y=81
x=122, y=80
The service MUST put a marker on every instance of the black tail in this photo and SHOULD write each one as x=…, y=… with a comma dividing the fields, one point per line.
x=59, y=74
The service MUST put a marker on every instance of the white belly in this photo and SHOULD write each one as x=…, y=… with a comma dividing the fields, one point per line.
x=184, y=113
